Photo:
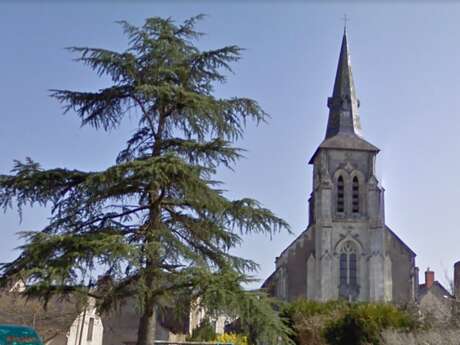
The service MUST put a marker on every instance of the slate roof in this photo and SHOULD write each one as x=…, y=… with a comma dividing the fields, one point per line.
x=437, y=289
x=343, y=105
x=344, y=141
x=344, y=125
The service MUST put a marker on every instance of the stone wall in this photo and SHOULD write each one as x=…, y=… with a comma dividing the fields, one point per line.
x=457, y=280
x=436, y=307
x=309, y=266
x=431, y=337
x=87, y=329
x=294, y=261
x=402, y=269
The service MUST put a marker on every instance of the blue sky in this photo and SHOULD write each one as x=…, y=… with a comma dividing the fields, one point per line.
x=406, y=67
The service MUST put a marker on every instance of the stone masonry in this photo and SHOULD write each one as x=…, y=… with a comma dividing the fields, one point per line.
x=347, y=251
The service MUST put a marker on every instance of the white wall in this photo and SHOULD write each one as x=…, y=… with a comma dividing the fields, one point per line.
x=81, y=326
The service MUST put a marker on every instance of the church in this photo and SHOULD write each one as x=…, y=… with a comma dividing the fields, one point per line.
x=347, y=251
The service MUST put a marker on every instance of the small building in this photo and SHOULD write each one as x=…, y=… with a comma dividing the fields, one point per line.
x=87, y=329
x=121, y=325
x=434, y=299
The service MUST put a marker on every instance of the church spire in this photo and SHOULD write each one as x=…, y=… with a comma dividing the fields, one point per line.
x=343, y=105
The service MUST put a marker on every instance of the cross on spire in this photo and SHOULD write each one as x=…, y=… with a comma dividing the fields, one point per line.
x=343, y=129
x=345, y=22
x=344, y=104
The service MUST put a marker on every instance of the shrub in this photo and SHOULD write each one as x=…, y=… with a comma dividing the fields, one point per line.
x=307, y=308
x=363, y=323
x=342, y=323
x=235, y=339
x=351, y=330
x=307, y=318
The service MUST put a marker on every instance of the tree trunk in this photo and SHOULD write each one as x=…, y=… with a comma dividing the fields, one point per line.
x=147, y=325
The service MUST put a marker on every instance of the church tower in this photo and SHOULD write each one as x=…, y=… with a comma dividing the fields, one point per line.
x=347, y=251
x=347, y=202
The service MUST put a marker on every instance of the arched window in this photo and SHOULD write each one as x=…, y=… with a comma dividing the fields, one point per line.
x=348, y=280
x=355, y=195
x=340, y=195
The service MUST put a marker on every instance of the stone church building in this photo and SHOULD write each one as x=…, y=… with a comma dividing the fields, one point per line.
x=347, y=251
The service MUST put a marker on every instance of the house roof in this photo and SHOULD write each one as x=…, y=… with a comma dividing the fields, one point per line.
x=437, y=289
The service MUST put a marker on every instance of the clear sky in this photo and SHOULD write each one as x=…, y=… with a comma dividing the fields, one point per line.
x=406, y=67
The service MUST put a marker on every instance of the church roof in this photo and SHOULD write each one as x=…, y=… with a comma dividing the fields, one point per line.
x=344, y=126
x=344, y=141
x=349, y=142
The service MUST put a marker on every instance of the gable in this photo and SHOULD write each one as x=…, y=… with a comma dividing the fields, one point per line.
x=397, y=239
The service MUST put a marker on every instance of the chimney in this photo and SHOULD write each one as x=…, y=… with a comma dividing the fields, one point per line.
x=429, y=278
x=457, y=280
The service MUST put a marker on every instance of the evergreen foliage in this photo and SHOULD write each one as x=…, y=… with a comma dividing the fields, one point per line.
x=205, y=332
x=156, y=223
x=363, y=323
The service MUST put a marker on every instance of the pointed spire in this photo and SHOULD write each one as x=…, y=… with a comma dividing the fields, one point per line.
x=343, y=127
x=343, y=105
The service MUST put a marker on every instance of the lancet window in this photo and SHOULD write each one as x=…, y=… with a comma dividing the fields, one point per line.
x=348, y=279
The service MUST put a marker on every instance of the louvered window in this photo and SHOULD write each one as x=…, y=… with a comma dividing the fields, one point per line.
x=340, y=195
x=355, y=195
